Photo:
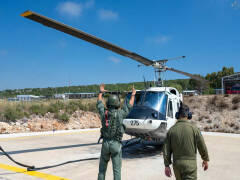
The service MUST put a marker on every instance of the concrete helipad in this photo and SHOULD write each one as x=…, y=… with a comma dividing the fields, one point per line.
x=57, y=156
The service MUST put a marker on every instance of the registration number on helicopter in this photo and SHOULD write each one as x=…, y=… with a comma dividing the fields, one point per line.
x=134, y=123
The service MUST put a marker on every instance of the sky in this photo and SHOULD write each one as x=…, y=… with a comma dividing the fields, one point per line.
x=34, y=56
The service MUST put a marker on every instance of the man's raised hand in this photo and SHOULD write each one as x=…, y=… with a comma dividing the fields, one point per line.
x=133, y=90
x=102, y=86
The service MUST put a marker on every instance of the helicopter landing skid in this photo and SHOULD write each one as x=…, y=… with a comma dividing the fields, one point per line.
x=131, y=142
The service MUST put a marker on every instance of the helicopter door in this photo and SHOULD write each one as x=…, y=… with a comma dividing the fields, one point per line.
x=170, y=114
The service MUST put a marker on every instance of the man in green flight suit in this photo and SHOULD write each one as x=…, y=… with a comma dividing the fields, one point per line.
x=112, y=132
x=182, y=141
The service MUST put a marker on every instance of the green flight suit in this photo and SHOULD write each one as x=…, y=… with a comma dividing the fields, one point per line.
x=182, y=141
x=112, y=136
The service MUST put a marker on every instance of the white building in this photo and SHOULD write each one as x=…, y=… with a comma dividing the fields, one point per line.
x=59, y=96
x=190, y=92
x=27, y=98
x=80, y=95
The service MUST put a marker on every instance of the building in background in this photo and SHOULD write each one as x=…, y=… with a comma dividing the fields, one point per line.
x=59, y=96
x=80, y=95
x=190, y=92
x=13, y=99
x=28, y=98
x=231, y=84
x=218, y=91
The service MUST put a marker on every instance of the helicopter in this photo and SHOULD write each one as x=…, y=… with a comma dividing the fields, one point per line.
x=154, y=110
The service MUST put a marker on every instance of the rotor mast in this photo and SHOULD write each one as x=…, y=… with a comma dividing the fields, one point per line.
x=160, y=68
x=159, y=74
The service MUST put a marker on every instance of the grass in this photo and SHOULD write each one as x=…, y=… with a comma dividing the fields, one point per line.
x=217, y=103
x=12, y=111
x=222, y=105
x=62, y=117
x=235, y=107
x=236, y=99
x=213, y=101
x=216, y=113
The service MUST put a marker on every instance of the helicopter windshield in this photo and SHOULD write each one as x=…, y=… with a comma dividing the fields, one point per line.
x=156, y=101
x=151, y=99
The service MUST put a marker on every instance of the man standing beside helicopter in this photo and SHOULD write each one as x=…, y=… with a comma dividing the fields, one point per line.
x=112, y=131
x=183, y=140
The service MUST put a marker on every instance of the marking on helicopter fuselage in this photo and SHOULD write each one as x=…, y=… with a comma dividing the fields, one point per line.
x=134, y=123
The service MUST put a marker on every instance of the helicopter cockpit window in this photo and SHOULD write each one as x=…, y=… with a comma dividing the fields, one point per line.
x=170, y=109
x=173, y=91
x=138, y=97
x=156, y=101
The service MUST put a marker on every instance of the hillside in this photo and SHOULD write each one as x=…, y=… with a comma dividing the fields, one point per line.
x=216, y=113
x=210, y=113
x=213, y=78
x=180, y=84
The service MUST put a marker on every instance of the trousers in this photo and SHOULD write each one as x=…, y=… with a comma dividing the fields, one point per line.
x=110, y=149
x=185, y=169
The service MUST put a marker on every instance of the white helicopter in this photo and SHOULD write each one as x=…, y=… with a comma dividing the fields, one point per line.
x=155, y=108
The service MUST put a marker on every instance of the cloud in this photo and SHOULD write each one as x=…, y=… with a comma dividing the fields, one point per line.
x=104, y=14
x=3, y=52
x=73, y=9
x=89, y=4
x=160, y=39
x=70, y=9
x=235, y=4
x=62, y=44
x=114, y=59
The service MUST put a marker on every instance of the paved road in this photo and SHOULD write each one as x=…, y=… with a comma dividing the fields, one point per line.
x=58, y=157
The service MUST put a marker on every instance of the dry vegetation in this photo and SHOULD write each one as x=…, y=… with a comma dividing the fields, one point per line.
x=48, y=115
x=216, y=113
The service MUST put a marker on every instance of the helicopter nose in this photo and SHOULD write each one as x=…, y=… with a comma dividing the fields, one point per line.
x=155, y=115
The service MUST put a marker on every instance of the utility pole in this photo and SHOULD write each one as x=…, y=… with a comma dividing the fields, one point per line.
x=69, y=86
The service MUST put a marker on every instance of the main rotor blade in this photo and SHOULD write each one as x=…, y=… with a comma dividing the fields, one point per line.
x=84, y=36
x=189, y=75
x=175, y=58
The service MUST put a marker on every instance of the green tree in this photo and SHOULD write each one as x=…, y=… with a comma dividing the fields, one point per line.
x=215, y=78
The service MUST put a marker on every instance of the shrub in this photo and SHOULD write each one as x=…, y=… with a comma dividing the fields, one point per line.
x=191, y=100
x=236, y=127
x=195, y=107
x=56, y=107
x=216, y=126
x=204, y=117
x=213, y=101
x=206, y=128
x=209, y=121
x=62, y=117
x=231, y=124
x=92, y=107
x=72, y=106
x=235, y=107
x=38, y=109
x=12, y=114
x=236, y=100
x=222, y=105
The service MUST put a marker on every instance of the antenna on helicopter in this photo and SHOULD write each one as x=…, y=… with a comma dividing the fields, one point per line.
x=145, y=84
